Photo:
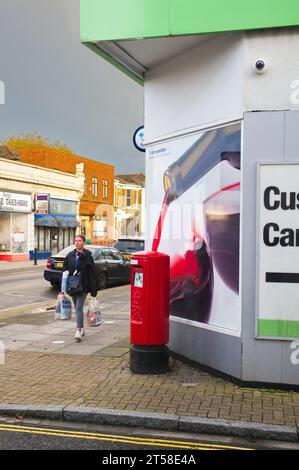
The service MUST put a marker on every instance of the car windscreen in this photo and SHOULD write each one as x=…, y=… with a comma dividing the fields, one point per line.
x=68, y=249
x=130, y=245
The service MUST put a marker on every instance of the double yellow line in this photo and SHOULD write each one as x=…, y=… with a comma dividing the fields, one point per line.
x=116, y=438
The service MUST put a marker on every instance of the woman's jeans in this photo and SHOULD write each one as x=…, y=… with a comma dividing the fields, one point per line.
x=79, y=300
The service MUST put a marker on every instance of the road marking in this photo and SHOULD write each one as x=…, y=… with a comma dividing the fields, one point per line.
x=118, y=438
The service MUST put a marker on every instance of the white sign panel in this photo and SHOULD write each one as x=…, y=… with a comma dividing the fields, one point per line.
x=15, y=202
x=138, y=280
x=278, y=246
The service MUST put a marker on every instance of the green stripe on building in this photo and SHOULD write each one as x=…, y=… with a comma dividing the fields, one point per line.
x=102, y=20
x=117, y=20
x=201, y=16
x=278, y=328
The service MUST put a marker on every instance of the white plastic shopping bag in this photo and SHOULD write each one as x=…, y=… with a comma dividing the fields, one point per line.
x=65, y=307
x=94, y=316
x=58, y=306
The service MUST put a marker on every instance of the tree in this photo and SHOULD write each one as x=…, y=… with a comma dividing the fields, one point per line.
x=34, y=140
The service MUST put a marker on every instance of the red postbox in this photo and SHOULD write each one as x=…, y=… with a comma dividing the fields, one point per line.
x=149, y=312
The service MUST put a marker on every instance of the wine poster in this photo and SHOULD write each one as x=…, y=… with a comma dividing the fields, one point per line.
x=193, y=209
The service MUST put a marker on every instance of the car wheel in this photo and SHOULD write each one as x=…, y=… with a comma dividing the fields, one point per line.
x=103, y=281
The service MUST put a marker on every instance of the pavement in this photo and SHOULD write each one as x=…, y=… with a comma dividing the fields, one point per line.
x=46, y=374
x=17, y=266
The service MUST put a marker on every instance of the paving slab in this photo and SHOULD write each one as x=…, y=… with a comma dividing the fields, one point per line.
x=12, y=345
x=30, y=336
x=111, y=352
x=41, y=346
x=81, y=348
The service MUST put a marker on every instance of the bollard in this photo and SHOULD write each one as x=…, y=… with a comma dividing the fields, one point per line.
x=35, y=257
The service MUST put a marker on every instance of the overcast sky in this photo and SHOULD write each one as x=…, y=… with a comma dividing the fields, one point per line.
x=57, y=87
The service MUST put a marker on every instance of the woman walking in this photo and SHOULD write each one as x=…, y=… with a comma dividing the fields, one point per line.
x=81, y=261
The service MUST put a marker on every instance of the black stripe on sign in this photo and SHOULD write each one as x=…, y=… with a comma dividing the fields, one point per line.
x=282, y=277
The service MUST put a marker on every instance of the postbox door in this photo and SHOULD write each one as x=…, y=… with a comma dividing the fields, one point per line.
x=140, y=305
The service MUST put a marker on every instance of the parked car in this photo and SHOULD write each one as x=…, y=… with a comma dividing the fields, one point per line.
x=111, y=266
x=129, y=246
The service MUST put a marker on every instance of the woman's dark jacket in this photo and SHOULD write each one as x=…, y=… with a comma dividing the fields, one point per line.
x=86, y=266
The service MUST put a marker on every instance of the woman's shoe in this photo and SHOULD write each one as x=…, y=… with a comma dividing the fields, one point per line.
x=78, y=335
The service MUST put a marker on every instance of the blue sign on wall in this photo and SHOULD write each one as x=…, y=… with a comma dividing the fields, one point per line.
x=138, y=139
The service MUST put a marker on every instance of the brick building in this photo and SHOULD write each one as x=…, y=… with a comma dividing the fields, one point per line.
x=96, y=206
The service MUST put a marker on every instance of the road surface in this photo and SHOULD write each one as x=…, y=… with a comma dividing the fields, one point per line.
x=23, y=288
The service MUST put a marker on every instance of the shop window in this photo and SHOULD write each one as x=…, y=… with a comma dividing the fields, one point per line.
x=5, y=231
x=19, y=232
x=94, y=186
x=39, y=238
x=72, y=236
x=60, y=239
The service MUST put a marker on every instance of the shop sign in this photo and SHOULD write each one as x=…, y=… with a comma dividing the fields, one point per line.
x=63, y=207
x=42, y=203
x=278, y=249
x=138, y=139
x=15, y=202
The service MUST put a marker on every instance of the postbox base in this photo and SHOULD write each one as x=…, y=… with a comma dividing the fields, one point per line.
x=149, y=359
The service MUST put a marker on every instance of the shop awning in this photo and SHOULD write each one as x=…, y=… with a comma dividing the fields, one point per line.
x=66, y=222
x=44, y=220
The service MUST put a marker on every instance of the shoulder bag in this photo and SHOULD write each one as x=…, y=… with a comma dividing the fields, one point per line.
x=75, y=285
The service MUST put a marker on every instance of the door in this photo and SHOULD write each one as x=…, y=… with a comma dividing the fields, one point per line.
x=54, y=240
x=122, y=268
x=103, y=262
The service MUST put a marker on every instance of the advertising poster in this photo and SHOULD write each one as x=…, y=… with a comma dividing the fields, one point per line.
x=42, y=203
x=194, y=216
x=277, y=243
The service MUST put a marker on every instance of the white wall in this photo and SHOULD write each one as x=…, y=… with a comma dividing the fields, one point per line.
x=31, y=241
x=201, y=87
x=143, y=213
x=272, y=90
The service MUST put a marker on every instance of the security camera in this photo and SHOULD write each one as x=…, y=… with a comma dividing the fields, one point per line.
x=260, y=66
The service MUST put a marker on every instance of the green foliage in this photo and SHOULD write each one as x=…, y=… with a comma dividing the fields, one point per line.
x=34, y=140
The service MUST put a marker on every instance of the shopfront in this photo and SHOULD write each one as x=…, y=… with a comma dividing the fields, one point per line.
x=56, y=228
x=15, y=209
